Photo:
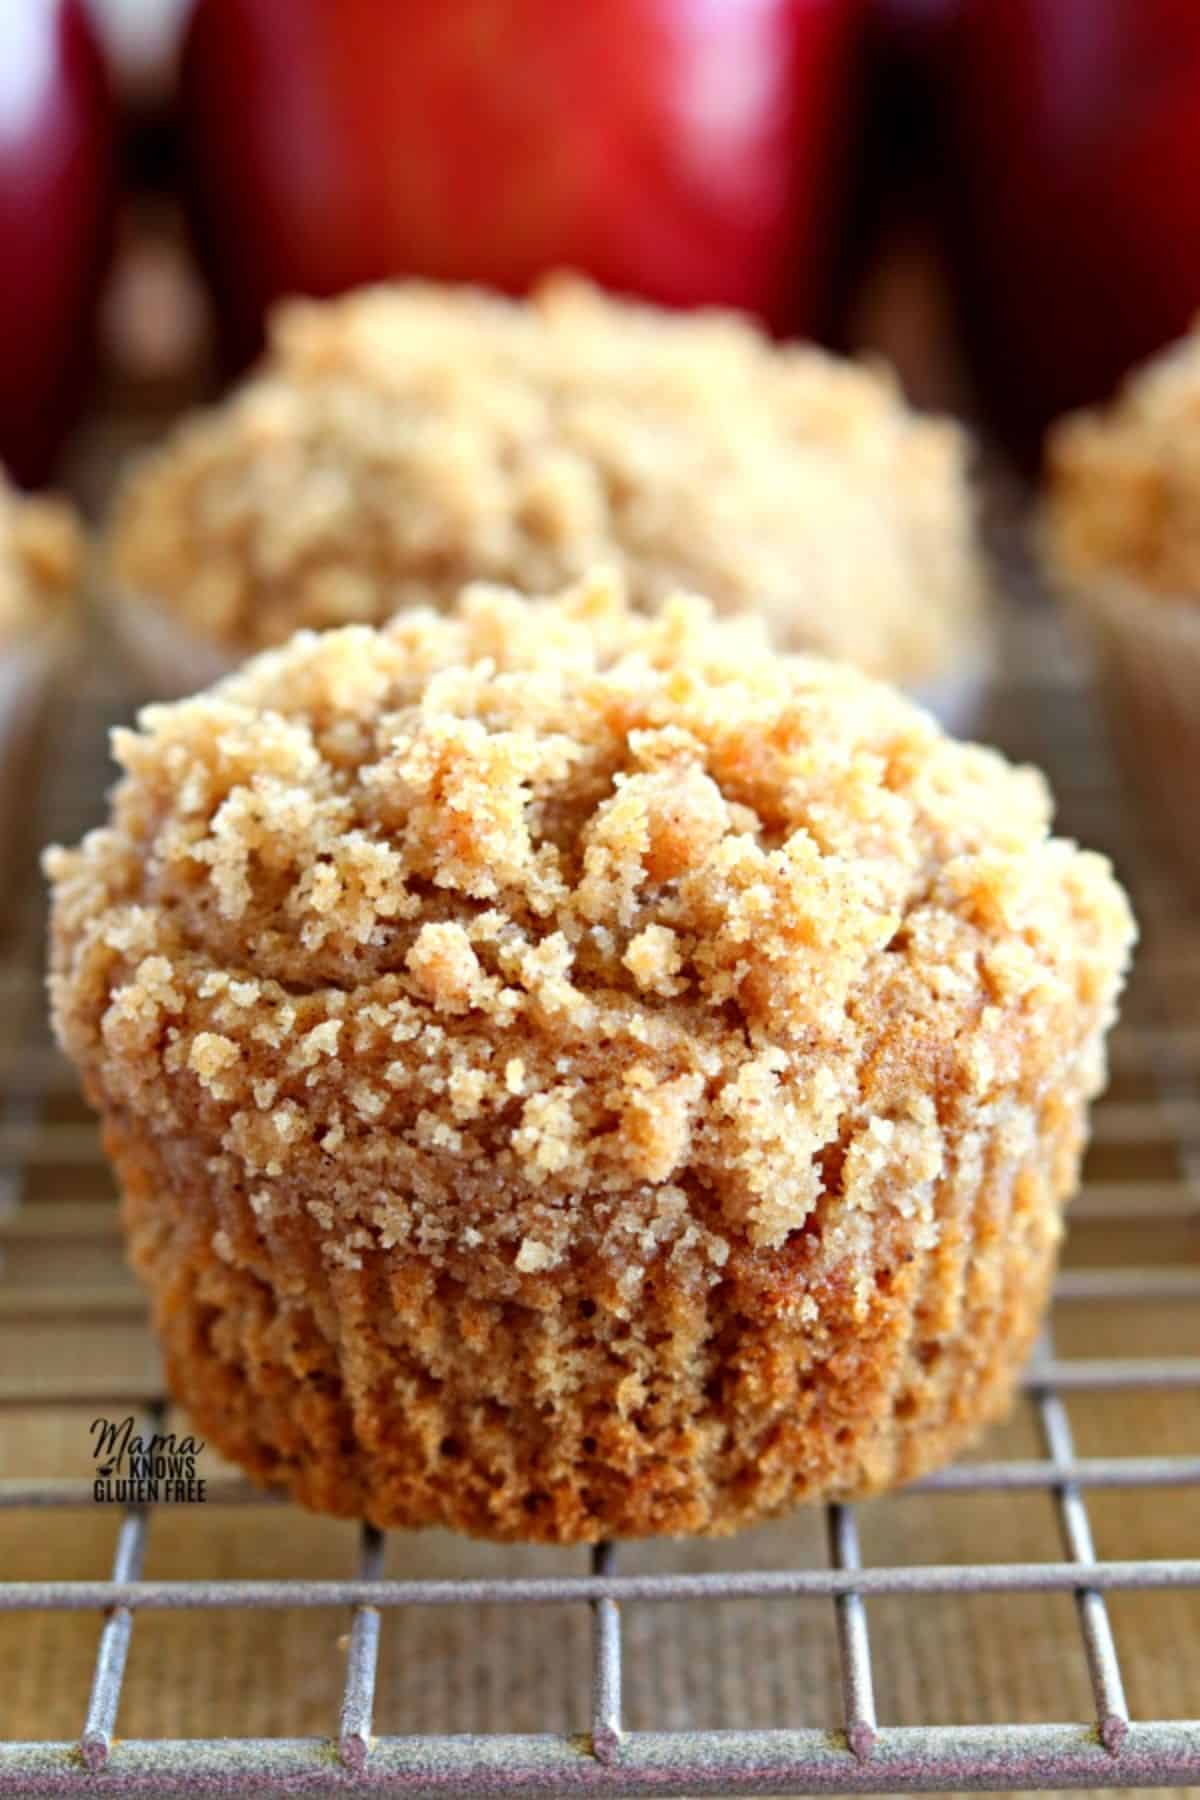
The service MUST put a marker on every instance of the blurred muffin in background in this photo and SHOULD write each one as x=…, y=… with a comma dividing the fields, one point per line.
x=406, y=439
x=1122, y=535
x=41, y=563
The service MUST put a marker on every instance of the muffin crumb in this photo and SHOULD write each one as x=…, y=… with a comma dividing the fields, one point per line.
x=1124, y=480
x=41, y=562
x=541, y=1025
x=402, y=441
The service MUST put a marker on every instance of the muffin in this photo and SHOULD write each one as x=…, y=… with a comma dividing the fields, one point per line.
x=573, y=1073
x=405, y=440
x=41, y=558
x=1122, y=536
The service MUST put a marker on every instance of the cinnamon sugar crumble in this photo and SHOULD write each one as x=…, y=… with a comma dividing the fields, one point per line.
x=41, y=559
x=1124, y=480
x=402, y=441
x=531, y=932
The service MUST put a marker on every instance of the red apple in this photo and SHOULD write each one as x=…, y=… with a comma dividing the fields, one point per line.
x=1075, y=157
x=56, y=184
x=684, y=150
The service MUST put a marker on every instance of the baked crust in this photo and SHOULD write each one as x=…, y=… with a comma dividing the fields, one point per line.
x=1123, y=483
x=405, y=440
x=573, y=1074
x=41, y=561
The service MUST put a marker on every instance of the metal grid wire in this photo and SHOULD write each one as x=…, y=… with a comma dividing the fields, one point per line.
x=853, y=1753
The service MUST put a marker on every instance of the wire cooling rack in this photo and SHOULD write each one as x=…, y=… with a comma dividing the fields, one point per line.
x=1150, y=1128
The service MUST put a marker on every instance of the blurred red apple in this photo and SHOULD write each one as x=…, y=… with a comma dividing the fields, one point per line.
x=1075, y=153
x=56, y=184
x=684, y=150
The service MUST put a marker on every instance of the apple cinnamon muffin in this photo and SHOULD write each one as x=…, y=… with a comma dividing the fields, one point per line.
x=1122, y=536
x=41, y=564
x=576, y=1073
x=404, y=440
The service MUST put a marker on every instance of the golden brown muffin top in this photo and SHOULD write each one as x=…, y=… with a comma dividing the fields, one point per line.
x=509, y=930
x=405, y=440
x=41, y=559
x=1123, y=481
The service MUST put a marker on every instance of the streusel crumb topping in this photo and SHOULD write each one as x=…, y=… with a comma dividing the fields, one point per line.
x=41, y=556
x=1124, y=480
x=536, y=931
x=405, y=440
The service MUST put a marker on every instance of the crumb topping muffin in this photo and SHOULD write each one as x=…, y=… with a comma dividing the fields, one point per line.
x=1121, y=536
x=1123, y=482
x=41, y=562
x=41, y=556
x=575, y=1073
x=405, y=440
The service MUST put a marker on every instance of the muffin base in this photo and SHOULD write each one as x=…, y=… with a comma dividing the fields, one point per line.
x=392, y=1392
x=164, y=658
x=28, y=674
x=1146, y=655
x=957, y=699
